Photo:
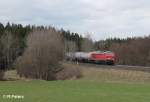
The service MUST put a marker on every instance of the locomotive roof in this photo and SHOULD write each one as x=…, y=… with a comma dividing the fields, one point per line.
x=108, y=52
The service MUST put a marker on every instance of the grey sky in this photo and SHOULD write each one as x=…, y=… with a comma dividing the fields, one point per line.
x=101, y=18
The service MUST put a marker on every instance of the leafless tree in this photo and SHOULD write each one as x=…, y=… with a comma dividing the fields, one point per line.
x=9, y=49
x=148, y=58
x=41, y=58
x=133, y=52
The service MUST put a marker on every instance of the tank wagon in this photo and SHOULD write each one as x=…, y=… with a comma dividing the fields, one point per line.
x=105, y=57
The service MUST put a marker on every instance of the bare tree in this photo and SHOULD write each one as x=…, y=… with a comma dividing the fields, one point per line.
x=41, y=58
x=148, y=59
x=133, y=52
x=9, y=49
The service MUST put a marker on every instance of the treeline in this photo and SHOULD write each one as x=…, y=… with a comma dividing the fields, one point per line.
x=13, y=42
x=129, y=51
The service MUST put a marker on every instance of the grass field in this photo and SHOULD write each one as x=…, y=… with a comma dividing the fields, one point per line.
x=96, y=85
x=75, y=91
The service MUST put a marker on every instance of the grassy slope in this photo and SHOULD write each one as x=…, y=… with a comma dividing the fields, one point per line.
x=76, y=91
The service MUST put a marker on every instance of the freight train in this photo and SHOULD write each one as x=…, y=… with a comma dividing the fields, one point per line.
x=103, y=57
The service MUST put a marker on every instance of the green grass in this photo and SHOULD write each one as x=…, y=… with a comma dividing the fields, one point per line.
x=96, y=85
x=75, y=91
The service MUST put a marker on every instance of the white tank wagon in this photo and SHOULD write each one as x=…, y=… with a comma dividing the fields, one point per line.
x=78, y=56
x=82, y=56
x=70, y=56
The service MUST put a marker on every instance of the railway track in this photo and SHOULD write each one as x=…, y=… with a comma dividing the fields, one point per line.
x=123, y=67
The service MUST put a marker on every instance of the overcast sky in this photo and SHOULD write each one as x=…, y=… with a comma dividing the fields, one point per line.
x=102, y=18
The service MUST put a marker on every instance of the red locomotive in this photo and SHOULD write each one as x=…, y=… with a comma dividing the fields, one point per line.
x=106, y=57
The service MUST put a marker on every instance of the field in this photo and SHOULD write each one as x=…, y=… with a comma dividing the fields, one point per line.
x=96, y=85
x=75, y=91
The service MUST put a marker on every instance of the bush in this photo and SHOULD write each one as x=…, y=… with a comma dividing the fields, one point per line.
x=69, y=73
x=42, y=56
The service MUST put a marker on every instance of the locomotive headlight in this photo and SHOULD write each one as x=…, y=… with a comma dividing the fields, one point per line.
x=109, y=58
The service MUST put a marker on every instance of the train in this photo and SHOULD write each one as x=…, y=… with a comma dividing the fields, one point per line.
x=99, y=57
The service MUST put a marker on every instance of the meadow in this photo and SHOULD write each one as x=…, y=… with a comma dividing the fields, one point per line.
x=96, y=85
x=75, y=91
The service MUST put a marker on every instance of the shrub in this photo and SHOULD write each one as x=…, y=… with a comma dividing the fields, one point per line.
x=42, y=56
x=69, y=73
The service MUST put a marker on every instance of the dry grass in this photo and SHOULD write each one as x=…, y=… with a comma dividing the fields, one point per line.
x=115, y=75
x=12, y=75
x=94, y=74
x=111, y=75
